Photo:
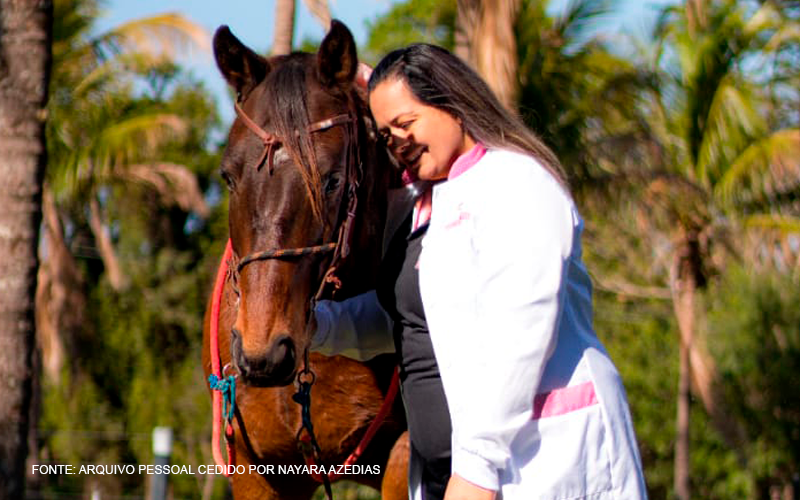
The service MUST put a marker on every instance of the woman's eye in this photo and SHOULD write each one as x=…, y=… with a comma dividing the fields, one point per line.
x=385, y=138
x=228, y=179
x=405, y=125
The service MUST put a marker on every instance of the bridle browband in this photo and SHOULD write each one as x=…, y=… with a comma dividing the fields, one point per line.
x=341, y=247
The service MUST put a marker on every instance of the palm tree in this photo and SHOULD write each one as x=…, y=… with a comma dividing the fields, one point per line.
x=485, y=38
x=127, y=143
x=100, y=136
x=726, y=163
x=96, y=135
x=25, y=31
x=284, y=22
x=284, y=27
x=579, y=96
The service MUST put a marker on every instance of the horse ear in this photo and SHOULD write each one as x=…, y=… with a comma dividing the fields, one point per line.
x=337, y=60
x=242, y=68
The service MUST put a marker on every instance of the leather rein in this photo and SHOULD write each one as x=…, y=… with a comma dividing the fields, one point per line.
x=223, y=385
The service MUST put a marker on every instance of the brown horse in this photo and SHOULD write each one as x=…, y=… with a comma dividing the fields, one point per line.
x=304, y=171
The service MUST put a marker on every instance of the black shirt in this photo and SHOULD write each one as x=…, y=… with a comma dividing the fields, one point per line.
x=421, y=384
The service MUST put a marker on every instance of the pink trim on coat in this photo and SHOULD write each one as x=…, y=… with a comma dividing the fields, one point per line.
x=561, y=401
x=466, y=161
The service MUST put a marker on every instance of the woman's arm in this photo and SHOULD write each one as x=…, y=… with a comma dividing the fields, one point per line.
x=357, y=327
x=522, y=238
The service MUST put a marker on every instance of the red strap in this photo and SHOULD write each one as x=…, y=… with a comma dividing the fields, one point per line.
x=216, y=406
x=386, y=407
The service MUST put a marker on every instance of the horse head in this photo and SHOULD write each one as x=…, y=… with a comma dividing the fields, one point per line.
x=307, y=184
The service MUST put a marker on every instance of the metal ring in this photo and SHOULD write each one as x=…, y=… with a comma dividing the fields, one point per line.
x=233, y=367
x=306, y=371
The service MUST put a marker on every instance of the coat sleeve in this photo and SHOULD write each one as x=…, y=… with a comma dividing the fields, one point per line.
x=522, y=241
x=357, y=327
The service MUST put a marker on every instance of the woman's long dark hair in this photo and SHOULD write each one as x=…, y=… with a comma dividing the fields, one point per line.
x=440, y=79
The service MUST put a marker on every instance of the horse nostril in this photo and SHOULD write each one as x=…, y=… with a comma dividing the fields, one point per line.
x=237, y=353
x=287, y=344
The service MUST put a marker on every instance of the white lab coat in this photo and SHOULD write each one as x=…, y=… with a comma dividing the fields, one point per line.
x=537, y=407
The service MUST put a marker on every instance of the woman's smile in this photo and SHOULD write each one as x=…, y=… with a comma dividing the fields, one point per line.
x=425, y=139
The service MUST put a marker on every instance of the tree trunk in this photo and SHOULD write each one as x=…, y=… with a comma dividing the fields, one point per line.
x=696, y=14
x=489, y=27
x=321, y=12
x=467, y=17
x=683, y=303
x=284, y=27
x=60, y=299
x=103, y=241
x=683, y=283
x=697, y=370
x=25, y=35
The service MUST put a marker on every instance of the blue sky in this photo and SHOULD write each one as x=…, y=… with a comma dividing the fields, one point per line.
x=252, y=21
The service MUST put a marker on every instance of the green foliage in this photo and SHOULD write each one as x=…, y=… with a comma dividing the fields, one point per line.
x=348, y=490
x=132, y=132
x=431, y=21
x=754, y=333
x=582, y=98
x=120, y=119
x=639, y=336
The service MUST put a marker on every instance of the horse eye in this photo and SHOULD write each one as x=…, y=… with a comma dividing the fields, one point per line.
x=332, y=183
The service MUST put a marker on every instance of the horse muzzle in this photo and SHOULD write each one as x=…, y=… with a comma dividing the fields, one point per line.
x=274, y=367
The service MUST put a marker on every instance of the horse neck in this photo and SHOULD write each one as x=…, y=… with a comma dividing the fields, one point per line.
x=371, y=214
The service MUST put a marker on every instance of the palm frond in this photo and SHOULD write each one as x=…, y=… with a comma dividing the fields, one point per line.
x=785, y=34
x=174, y=183
x=95, y=78
x=765, y=169
x=578, y=15
x=784, y=224
x=731, y=122
x=767, y=17
x=160, y=35
x=137, y=137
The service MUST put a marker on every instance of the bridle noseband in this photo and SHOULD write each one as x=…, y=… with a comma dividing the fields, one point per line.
x=341, y=247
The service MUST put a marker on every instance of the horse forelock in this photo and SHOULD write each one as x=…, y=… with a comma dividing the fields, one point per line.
x=287, y=93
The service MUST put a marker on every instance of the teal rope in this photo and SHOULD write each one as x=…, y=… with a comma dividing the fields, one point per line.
x=227, y=386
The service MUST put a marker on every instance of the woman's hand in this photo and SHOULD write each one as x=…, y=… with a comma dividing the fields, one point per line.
x=459, y=488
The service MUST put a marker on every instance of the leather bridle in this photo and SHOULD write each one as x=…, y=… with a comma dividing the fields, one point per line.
x=354, y=172
x=341, y=249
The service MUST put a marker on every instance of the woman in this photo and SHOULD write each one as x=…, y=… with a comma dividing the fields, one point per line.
x=536, y=406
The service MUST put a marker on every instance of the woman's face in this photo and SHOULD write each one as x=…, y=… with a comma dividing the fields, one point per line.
x=424, y=139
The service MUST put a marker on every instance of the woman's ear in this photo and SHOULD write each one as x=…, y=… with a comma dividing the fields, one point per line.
x=361, y=80
x=362, y=75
